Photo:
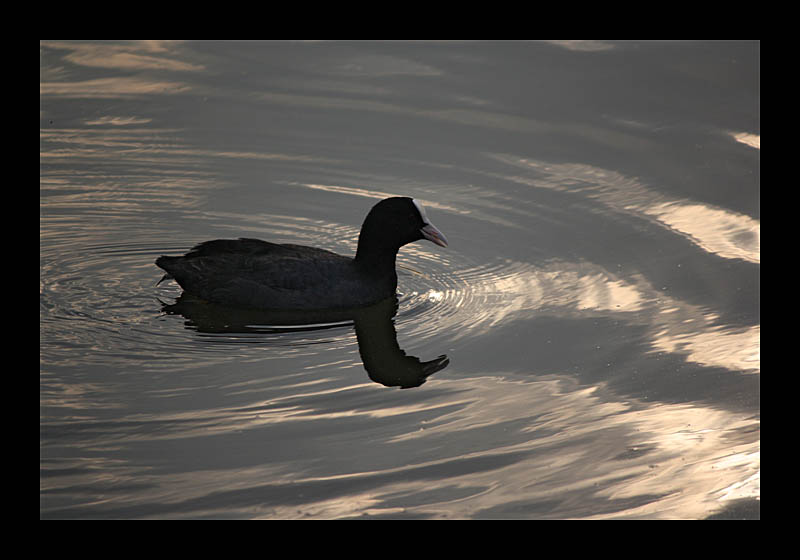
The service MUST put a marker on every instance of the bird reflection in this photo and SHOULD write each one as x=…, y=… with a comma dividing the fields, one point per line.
x=386, y=363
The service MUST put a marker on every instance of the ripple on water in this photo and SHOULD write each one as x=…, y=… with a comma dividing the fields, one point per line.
x=99, y=303
x=470, y=299
x=98, y=300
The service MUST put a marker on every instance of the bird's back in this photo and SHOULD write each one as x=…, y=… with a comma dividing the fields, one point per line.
x=254, y=273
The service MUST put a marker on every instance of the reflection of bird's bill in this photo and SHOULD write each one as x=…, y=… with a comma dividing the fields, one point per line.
x=432, y=233
x=437, y=364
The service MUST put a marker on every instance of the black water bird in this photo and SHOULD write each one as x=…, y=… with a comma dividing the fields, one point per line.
x=255, y=274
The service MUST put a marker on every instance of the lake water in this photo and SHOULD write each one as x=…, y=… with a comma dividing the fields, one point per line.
x=598, y=304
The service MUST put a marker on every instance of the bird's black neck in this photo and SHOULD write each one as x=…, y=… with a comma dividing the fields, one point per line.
x=376, y=261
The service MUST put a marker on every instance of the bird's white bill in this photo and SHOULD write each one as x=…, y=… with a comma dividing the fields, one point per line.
x=430, y=233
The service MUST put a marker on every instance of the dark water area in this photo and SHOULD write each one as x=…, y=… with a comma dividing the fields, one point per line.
x=586, y=347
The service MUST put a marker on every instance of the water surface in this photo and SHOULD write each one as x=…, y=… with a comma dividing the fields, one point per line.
x=598, y=304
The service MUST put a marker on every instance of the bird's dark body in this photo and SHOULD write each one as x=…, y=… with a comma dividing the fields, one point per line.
x=261, y=275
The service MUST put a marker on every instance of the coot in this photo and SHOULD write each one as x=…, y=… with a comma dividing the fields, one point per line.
x=257, y=274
